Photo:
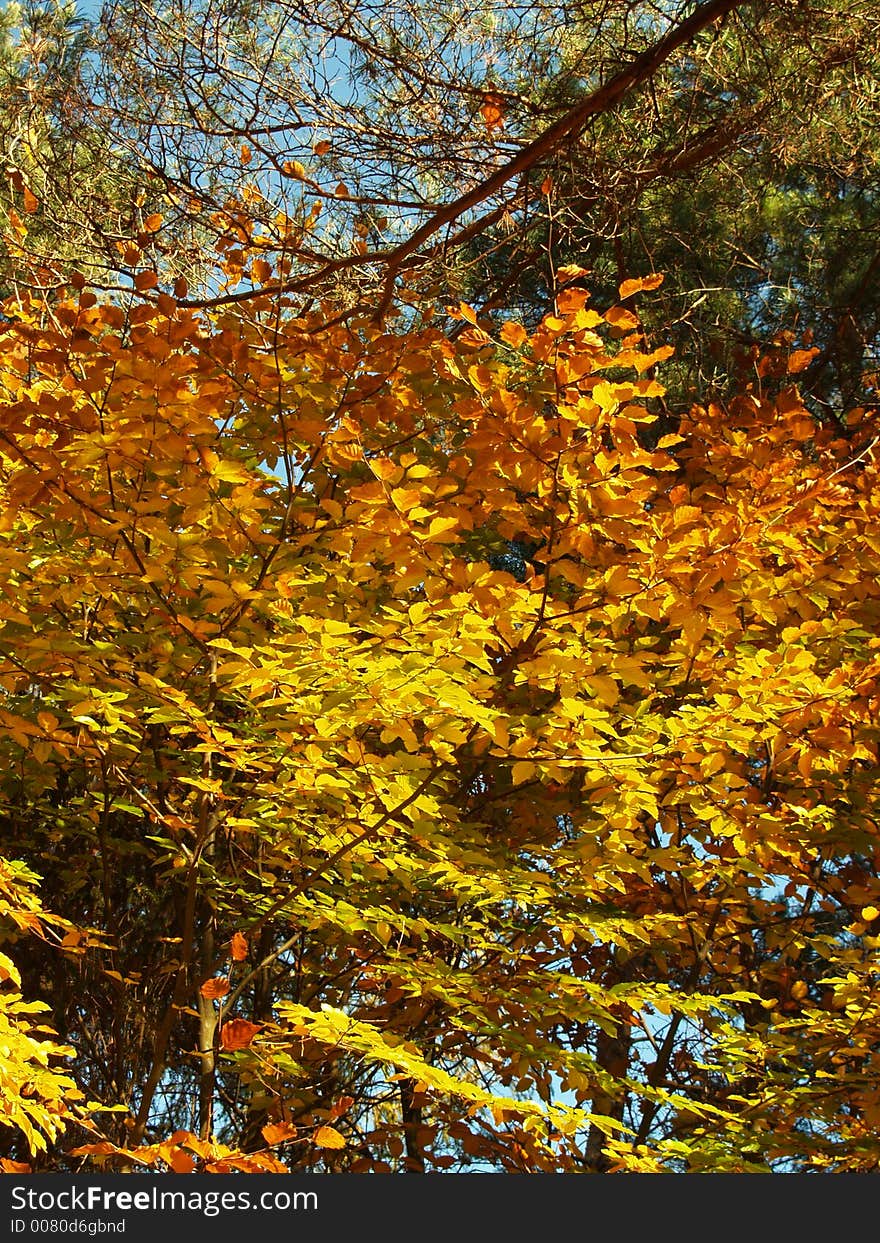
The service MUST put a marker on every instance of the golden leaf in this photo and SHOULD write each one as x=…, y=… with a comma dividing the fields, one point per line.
x=513, y=334
x=629, y=287
x=329, y=1137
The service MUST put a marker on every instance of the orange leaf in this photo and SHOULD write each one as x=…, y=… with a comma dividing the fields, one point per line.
x=153, y=222
x=513, y=334
x=31, y=202
x=619, y=317
x=340, y=1107
x=329, y=1137
x=321, y=148
x=628, y=288
x=181, y=1162
x=238, y=947
x=218, y=987
x=278, y=1132
x=492, y=112
x=237, y=1034
x=102, y=1149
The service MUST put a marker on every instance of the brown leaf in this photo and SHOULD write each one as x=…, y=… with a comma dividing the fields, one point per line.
x=799, y=360
x=237, y=1034
x=338, y=1108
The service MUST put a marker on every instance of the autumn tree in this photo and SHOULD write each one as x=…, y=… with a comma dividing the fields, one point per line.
x=376, y=855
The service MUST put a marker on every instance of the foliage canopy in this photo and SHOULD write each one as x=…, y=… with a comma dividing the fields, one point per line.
x=435, y=765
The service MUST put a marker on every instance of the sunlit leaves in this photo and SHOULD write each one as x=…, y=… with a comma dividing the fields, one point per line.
x=38, y=1098
x=471, y=741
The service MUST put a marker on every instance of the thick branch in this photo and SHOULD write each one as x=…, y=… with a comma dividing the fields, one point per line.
x=601, y=100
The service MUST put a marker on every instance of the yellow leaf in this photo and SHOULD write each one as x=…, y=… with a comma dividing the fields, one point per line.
x=385, y=469
x=604, y=689
x=406, y=498
x=230, y=472
x=329, y=1137
x=441, y=527
x=869, y=913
